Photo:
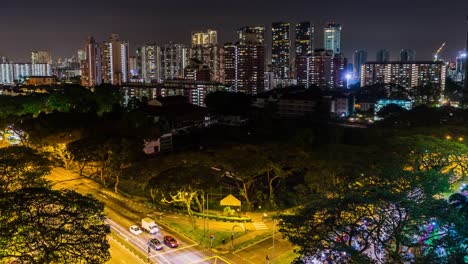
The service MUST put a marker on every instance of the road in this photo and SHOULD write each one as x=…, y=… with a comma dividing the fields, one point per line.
x=122, y=215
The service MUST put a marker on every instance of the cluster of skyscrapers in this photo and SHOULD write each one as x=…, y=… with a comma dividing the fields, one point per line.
x=241, y=65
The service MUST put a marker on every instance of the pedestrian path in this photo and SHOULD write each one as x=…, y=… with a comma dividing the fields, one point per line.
x=260, y=226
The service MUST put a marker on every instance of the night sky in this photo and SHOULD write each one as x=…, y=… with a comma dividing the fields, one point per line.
x=62, y=26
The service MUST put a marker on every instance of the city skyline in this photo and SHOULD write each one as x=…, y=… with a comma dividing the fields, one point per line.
x=65, y=27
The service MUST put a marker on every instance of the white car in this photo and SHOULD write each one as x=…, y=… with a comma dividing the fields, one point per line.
x=135, y=230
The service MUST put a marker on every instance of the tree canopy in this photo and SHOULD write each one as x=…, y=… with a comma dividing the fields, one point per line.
x=39, y=225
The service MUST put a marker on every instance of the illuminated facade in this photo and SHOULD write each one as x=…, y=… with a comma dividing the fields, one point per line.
x=115, y=61
x=327, y=69
x=173, y=61
x=408, y=75
x=304, y=41
x=280, y=52
x=245, y=63
x=11, y=73
x=205, y=48
x=149, y=63
x=205, y=38
x=332, y=38
x=91, y=66
x=41, y=57
x=252, y=34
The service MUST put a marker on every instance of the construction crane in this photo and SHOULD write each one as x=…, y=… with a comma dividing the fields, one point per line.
x=436, y=56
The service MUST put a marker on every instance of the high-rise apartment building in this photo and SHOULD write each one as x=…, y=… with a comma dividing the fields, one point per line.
x=41, y=57
x=321, y=68
x=149, y=63
x=245, y=61
x=407, y=55
x=91, y=67
x=304, y=41
x=326, y=69
x=332, y=38
x=280, y=50
x=115, y=62
x=205, y=38
x=382, y=55
x=460, y=66
x=11, y=73
x=205, y=48
x=359, y=58
x=405, y=74
x=173, y=61
x=81, y=55
x=250, y=34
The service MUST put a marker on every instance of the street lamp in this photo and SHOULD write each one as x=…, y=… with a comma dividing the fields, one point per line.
x=348, y=78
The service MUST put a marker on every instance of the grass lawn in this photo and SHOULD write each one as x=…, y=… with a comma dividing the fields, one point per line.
x=128, y=245
x=286, y=258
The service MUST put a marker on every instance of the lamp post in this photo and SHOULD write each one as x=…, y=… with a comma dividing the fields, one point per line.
x=273, y=246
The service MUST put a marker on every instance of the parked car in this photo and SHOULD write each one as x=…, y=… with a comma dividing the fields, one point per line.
x=155, y=244
x=134, y=229
x=170, y=242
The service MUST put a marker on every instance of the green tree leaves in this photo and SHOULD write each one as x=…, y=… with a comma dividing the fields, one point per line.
x=39, y=225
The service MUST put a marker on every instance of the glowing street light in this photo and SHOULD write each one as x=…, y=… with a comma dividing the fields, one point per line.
x=448, y=137
x=348, y=77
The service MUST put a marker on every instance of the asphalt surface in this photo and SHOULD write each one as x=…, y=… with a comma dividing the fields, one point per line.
x=122, y=215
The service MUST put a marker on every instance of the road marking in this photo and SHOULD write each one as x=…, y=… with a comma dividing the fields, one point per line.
x=260, y=226
x=126, y=249
x=174, y=250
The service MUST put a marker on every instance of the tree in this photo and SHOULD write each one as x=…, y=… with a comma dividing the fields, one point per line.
x=39, y=225
x=391, y=110
x=244, y=165
x=427, y=94
x=283, y=161
x=184, y=184
x=22, y=167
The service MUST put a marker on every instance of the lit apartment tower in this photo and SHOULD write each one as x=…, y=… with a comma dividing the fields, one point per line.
x=205, y=48
x=280, y=50
x=460, y=67
x=19, y=72
x=197, y=71
x=407, y=55
x=382, y=55
x=256, y=32
x=81, y=55
x=359, y=58
x=321, y=68
x=41, y=57
x=332, y=38
x=173, y=61
x=204, y=38
x=304, y=38
x=245, y=62
x=115, y=61
x=213, y=57
x=405, y=74
x=338, y=68
x=149, y=63
x=91, y=67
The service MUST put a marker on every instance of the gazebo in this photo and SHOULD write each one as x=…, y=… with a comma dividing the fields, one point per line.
x=230, y=200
